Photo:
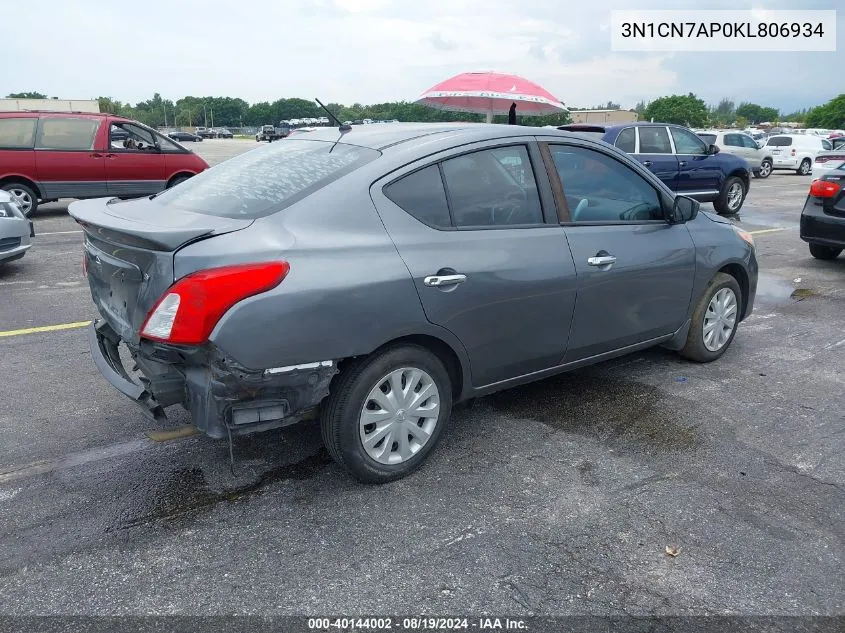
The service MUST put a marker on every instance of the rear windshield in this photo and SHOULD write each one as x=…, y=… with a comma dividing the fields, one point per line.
x=779, y=141
x=264, y=180
x=708, y=138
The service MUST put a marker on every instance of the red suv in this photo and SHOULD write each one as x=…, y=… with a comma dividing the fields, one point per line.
x=45, y=156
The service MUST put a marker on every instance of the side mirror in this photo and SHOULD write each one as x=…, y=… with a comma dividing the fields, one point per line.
x=684, y=209
x=713, y=149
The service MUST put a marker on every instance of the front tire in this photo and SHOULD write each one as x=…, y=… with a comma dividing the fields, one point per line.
x=824, y=252
x=765, y=169
x=714, y=320
x=28, y=198
x=176, y=181
x=805, y=167
x=731, y=198
x=385, y=414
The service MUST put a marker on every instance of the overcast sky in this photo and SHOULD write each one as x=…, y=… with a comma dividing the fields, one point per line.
x=371, y=51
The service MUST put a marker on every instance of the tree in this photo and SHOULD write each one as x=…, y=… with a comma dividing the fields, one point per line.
x=757, y=114
x=724, y=113
x=26, y=95
x=640, y=108
x=686, y=110
x=829, y=115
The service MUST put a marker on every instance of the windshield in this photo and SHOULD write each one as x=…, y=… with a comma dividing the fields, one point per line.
x=263, y=181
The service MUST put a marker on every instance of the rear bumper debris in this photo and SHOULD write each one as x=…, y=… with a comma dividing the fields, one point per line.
x=222, y=396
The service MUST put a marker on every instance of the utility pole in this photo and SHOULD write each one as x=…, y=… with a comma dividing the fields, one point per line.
x=212, y=117
x=204, y=115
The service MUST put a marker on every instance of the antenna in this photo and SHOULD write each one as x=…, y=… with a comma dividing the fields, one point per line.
x=340, y=126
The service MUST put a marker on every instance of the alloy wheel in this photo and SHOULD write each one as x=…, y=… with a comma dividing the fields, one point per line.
x=735, y=196
x=24, y=199
x=720, y=319
x=399, y=415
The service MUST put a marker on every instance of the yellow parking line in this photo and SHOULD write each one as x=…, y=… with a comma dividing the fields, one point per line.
x=45, y=328
x=764, y=231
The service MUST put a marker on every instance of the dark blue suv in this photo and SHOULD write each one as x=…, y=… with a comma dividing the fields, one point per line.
x=680, y=159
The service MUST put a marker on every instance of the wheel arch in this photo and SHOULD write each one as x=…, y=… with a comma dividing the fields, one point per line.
x=5, y=180
x=738, y=272
x=177, y=175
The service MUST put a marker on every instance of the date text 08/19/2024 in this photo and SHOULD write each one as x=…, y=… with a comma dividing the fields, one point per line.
x=416, y=624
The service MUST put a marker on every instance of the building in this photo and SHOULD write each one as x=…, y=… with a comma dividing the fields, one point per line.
x=51, y=105
x=603, y=116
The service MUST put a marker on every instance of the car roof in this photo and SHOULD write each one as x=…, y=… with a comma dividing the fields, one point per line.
x=381, y=137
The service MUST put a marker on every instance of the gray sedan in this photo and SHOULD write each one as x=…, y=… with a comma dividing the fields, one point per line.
x=375, y=277
x=16, y=231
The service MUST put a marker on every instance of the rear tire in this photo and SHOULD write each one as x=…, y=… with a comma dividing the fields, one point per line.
x=805, y=167
x=731, y=197
x=710, y=335
x=824, y=252
x=27, y=196
x=404, y=371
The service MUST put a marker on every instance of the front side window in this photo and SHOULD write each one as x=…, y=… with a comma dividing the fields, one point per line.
x=17, y=133
x=710, y=139
x=654, y=140
x=826, y=144
x=131, y=137
x=748, y=142
x=687, y=143
x=627, y=140
x=66, y=133
x=493, y=188
x=599, y=188
x=166, y=145
x=421, y=194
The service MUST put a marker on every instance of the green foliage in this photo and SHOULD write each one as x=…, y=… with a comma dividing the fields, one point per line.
x=829, y=115
x=724, y=113
x=756, y=113
x=640, y=108
x=26, y=95
x=686, y=110
x=798, y=116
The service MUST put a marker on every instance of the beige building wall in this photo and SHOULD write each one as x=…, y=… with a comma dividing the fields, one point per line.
x=51, y=105
x=603, y=116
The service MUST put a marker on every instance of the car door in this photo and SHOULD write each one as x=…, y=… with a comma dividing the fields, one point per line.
x=654, y=150
x=700, y=172
x=134, y=164
x=635, y=270
x=479, y=235
x=69, y=157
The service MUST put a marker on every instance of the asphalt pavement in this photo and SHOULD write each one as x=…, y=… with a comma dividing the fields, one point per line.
x=560, y=497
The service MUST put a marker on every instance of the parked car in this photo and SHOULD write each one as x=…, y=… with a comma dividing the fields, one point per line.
x=184, y=136
x=205, y=132
x=223, y=133
x=351, y=286
x=743, y=145
x=16, y=231
x=271, y=133
x=681, y=160
x=827, y=161
x=51, y=155
x=823, y=216
x=796, y=151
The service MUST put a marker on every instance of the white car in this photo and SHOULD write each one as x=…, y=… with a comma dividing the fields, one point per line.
x=743, y=145
x=796, y=151
x=828, y=160
x=16, y=231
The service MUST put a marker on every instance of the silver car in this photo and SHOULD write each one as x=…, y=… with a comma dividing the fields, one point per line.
x=378, y=276
x=734, y=142
x=16, y=232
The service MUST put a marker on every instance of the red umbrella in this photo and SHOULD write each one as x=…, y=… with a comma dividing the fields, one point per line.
x=491, y=93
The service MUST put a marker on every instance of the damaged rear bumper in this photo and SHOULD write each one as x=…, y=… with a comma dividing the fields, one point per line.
x=222, y=396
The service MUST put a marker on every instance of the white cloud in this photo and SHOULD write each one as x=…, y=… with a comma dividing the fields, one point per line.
x=368, y=51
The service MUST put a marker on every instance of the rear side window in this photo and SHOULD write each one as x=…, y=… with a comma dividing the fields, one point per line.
x=654, y=140
x=263, y=181
x=66, y=133
x=421, y=194
x=17, y=133
x=779, y=141
x=627, y=140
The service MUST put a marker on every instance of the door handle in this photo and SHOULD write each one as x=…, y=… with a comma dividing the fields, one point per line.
x=647, y=163
x=96, y=155
x=683, y=163
x=438, y=281
x=602, y=260
x=109, y=155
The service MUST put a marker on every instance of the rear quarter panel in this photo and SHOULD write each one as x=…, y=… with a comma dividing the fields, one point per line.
x=347, y=293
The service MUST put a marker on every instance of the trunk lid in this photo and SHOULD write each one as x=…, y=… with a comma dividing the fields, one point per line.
x=128, y=252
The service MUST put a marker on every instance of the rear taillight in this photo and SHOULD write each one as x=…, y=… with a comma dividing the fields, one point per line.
x=187, y=313
x=824, y=188
x=793, y=152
